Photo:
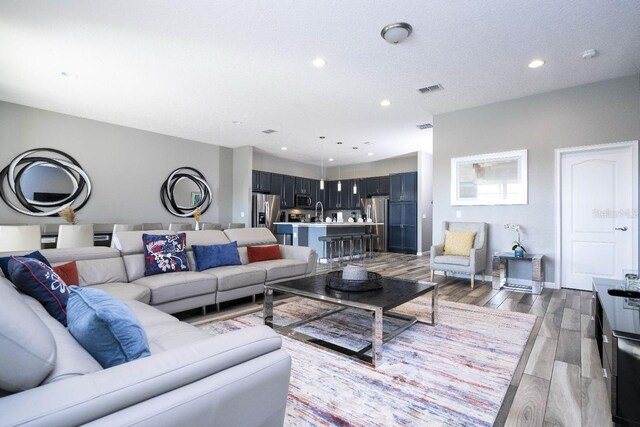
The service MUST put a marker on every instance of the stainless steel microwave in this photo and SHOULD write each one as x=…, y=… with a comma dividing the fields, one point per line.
x=303, y=201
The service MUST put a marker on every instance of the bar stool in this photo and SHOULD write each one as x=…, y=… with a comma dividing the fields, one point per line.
x=348, y=239
x=330, y=246
x=357, y=244
x=370, y=238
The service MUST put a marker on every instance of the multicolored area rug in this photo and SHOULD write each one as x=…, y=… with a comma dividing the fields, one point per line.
x=453, y=374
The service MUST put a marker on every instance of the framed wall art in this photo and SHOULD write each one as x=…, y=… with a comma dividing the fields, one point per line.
x=490, y=179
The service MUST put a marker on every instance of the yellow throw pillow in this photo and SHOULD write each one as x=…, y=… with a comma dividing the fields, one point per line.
x=458, y=243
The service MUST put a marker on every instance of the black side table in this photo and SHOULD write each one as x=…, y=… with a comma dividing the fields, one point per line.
x=501, y=272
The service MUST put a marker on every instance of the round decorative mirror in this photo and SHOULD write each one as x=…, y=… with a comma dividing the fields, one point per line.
x=184, y=191
x=38, y=185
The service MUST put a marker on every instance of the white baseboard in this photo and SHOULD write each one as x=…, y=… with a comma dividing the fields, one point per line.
x=488, y=278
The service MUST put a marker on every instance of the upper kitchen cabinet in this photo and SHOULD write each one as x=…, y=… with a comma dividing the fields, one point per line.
x=261, y=181
x=377, y=186
x=287, y=198
x=303, y=185
x=314, y=191
x=403, y=187
x=276, y=184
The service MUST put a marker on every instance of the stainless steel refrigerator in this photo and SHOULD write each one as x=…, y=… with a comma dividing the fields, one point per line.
x=377, y=208
x=265, y=209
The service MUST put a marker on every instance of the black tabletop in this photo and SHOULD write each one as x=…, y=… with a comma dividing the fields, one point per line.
x=394, y=292
x=622, y=313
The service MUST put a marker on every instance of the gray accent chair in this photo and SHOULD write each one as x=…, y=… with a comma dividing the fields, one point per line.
x=475, y=263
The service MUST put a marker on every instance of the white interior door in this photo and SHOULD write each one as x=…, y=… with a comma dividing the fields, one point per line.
x=598, y=211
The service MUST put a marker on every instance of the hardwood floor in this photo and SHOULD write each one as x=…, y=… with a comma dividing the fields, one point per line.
x=558, y=381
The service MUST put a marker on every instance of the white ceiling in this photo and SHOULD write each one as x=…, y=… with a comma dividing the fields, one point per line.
x=191, y=68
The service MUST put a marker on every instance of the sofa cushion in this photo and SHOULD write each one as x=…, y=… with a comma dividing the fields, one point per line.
x=251, y=236
x=4, y=261
x=448, y=259
x=282, y=268
x=165, y=253
x=68, y=272
x=173, y=335
x=106, y=327
x=149, y=316
x=126, y=291
x=175, y=286
x=458, y=243
x=27, y=347
x=238, y=276
x=130, y=242
x=72, y=359
x=210, y=256
x=263, y=253
x=38, y=280
x=96, y=271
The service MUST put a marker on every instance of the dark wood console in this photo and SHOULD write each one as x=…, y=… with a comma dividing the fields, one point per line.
x=617, y=331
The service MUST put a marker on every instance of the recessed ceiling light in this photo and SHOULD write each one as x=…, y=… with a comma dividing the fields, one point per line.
x=319, y=62
x=71, y=75
x=283, y=148
x=237, y=122
x=536, y=63
x=590, y=53
x=369, y=154
x=331, y=159
x=385, y=102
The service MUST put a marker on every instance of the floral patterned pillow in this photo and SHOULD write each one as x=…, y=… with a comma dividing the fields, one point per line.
x=165, y=253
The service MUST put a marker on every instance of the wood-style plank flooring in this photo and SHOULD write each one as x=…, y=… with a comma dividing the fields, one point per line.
x=558, y=381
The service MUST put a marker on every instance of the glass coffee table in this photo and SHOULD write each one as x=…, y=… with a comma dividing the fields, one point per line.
x=379, y=303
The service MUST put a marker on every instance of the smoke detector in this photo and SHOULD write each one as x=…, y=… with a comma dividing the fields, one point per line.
x=396, y=33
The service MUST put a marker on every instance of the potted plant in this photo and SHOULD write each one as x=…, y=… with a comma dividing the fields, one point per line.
x=517, y=248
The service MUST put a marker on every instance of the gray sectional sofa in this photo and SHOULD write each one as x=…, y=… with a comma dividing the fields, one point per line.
x=191, y=377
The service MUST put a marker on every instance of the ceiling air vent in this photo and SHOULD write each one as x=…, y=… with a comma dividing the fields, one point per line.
x=425, y=126
x=269, y=131
x=429, y=89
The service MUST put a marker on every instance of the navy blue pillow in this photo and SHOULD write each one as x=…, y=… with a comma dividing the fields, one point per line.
x=38, y=280
x=165, y=253
x=210, y=256
x=4, y=261
x=105, y=326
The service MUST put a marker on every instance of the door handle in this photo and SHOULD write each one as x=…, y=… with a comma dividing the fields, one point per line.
x=621, y=228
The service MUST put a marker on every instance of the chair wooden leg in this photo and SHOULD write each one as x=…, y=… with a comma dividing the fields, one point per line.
x=473, y=278
x=432, y=275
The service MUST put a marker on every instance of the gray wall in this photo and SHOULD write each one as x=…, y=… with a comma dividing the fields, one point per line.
x=407, y=163
x=242, y=166
x=597, y=113
x=126, y=166
x=268, y=163
x=425, y=201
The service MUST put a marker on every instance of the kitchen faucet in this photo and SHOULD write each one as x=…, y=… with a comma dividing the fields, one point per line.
x=321, y=211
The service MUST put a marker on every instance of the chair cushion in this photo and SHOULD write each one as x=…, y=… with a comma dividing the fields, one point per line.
x=106, y=327
x=263, y=253
x=238, y=276
x=68, y=273
x=171, y=287
x=455, y=260
x=4, y=261
x=38, y=280
x=282, y=268
x=27, y=348
x=166, y=253
x=126, y=291
x=458, y=243
x=210, y=256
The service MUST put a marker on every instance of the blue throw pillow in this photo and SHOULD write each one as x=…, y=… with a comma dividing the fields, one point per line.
x=38, y=280
x=165, y=253
x=216, y=255
x=105, y=326
x=4, y=261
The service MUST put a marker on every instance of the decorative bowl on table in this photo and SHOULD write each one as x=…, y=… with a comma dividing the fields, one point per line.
x=353, y=279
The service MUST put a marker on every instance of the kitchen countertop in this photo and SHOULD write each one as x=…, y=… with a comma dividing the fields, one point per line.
x=328, y=224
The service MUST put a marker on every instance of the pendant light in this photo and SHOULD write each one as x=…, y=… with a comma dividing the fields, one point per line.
x=321, y=165
x=339, y=182
x=355, y=181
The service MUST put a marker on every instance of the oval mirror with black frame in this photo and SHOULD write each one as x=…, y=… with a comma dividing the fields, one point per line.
x=37, y=184
x=184, y=191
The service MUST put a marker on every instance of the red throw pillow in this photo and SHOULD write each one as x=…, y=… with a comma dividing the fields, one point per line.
x=263, y=253
x=68, y=273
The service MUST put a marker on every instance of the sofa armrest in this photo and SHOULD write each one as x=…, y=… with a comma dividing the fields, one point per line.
x=477, y=259
x=302, y=253
x=85, y=398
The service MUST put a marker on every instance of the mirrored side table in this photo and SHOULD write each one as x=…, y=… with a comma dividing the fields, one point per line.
x=501, y=272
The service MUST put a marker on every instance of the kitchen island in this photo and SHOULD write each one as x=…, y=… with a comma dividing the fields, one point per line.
x=307, y=233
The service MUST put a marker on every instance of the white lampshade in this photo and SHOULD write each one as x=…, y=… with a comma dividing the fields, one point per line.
x=322, y=184
x=339, y=186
